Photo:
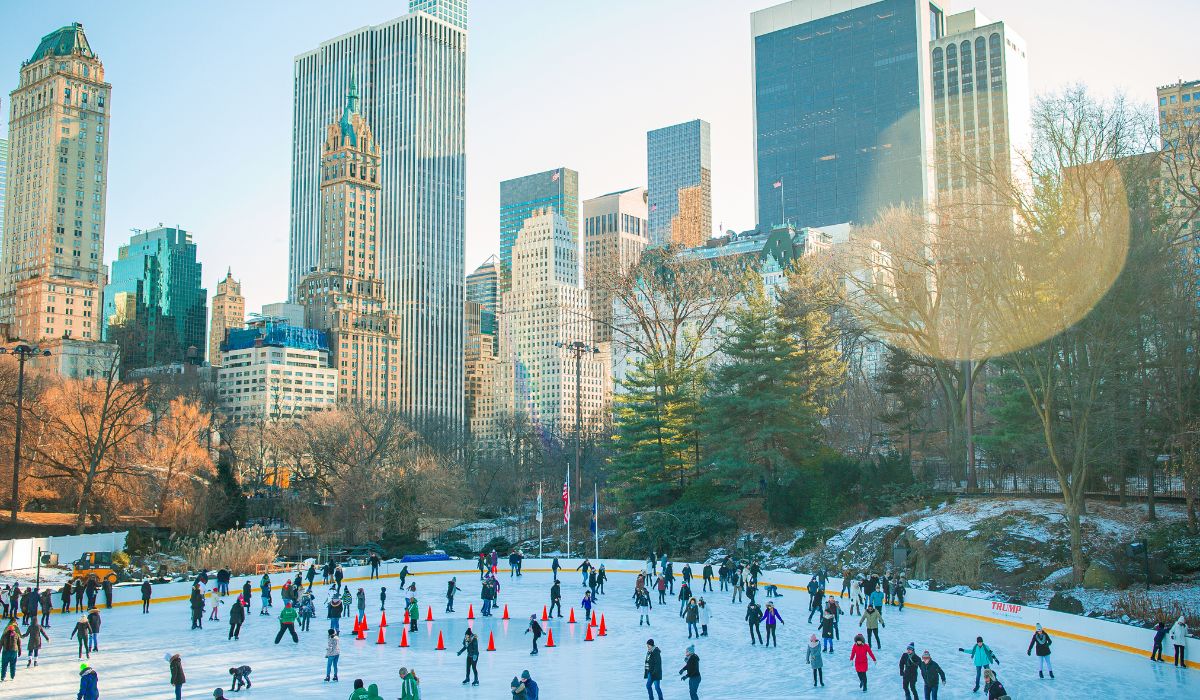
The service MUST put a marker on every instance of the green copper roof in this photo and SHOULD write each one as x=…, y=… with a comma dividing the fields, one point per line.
x=351, y=108
x=64, y=41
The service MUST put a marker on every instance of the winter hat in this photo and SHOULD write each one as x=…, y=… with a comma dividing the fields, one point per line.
x=167, y=657
x=218, y=693
x=649, y=642
x=979, y=640
x=813, y=640
x=1038, y=627
x=83, y=667
x=525, y=675
x=691, y=649
x=911, y=647
x=515, y=682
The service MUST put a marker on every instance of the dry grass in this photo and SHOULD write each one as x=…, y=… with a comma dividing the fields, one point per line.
x=240, y=551
x=959, y=560
x=1143, y=608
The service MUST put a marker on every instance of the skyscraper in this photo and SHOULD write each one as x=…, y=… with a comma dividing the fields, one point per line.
x=411, y=75
x=154, y=306
x=981, y=111
x=452, y=11
x=679, y=182
x=345, y=295
x=483, y=284
x=52, y=269
x=841, y=118
x=546, y=306
x=3, y=181
x=614, y=236
x=1179, y=126
x=228, y=312
x=556, y=190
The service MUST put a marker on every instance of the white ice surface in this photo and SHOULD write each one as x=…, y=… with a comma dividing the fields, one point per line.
x=130, y=661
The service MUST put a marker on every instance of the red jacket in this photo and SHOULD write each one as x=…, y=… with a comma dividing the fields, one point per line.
x=859, y=654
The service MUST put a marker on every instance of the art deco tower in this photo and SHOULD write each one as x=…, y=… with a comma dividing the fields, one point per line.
x=52, y=272
x=228, y=312
x=345, y=295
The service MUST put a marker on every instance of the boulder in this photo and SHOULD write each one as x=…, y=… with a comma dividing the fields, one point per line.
x=1064, y=602
x=1101, y=576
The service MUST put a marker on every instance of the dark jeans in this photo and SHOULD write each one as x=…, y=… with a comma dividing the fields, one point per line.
x=8, y=664
x=875, y=633
x=931, y=692
x=771, y=635
x=818, y=675
x=555, y=604
x=472, y=666
x=235, y=628
x=707, y=585
x=1156, y=652
x=145, y=605
x=979, y=675
x=179, y=692
x=289, y=628
x=862, y=679
x=693, y=687
x=1179, y=660
x=755, y=629
x=650, y=683
x=910, y=689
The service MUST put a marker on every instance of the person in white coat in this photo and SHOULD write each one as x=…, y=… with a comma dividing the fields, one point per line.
x=1179, y=638
x=705, y=616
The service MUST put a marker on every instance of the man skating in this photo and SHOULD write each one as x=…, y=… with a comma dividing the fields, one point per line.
x=471, y=647
x=652, y=670
x=287, y=623
x=536, y=630
x=754, y=618
x=451, y=589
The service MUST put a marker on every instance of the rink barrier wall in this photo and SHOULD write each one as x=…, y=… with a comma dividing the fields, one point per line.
x=1103, y=633
x=23, y=553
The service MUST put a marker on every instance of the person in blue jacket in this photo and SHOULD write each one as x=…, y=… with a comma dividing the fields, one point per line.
x=531, y=686
x=89, y=688
x=983, y=658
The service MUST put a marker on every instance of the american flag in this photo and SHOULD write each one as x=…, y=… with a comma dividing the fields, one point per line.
x=554, y=176
x=567, y=501
x=778, y=184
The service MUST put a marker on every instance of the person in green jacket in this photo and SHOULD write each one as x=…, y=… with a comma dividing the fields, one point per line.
x=983, y=658
x=874, y=620
x=414, y=612
x=373, y=692
x=411, y=688
x=287, y=623
x=359, y=692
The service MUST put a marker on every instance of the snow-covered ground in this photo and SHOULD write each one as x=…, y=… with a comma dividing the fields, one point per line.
x=130, y=661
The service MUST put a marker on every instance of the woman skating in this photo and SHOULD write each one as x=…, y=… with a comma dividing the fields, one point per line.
x=859, y=653
x=333, y=652
x=1178, y=636
x=816, y=660
x=1041, y=642
x=471, y=648
x=982, y=657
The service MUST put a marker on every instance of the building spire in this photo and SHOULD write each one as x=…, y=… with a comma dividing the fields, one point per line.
x=351, y=109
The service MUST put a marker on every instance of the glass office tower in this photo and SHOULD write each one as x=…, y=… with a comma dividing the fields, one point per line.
x=842, y=128
x=521, y=197
x=679, y=184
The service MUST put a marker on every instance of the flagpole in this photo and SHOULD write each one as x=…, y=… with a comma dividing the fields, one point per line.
x=596, y=517
x=782, y=210
x=540, y=518
x=567, y=505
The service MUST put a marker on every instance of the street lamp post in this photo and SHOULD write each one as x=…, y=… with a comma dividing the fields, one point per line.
x=578, y=349
x=22, y=352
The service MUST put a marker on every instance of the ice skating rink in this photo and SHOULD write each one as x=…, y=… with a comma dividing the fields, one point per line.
x=130, y=661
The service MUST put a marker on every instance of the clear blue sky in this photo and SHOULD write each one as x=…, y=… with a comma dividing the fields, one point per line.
x=202, y=95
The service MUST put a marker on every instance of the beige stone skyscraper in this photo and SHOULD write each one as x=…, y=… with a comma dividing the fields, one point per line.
x=345, y=295
x=616, y=232
x=53, y=251
x=228, y=311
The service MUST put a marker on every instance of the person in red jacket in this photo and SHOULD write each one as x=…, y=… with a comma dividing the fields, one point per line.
x=858, y=654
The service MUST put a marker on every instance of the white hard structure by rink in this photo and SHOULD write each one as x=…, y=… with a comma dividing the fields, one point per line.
x=130, y=661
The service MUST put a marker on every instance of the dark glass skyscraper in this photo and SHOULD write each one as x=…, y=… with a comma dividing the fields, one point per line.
x=520, y=197
x=679, y=184
x=154, y=306
x=842, y=128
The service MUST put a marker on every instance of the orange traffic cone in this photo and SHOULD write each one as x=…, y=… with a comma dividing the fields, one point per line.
x=361, y=633
x=571, y=619
x=403, y=636
x=603, y=629
x=470, y=612
x=441, y=645
x=406, y=620
x=356, y=625
x=588, y=638
x=593, y=622
x=505, y=615
x=549, y=637
x=383, y=620
x=429, y=614
x=380, y=640
x=491, y=642
x=364, y=623
x=544, y=615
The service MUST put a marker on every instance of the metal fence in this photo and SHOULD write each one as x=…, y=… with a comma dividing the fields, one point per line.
x=1034, y=480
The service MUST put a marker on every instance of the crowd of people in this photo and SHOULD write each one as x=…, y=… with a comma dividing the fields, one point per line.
x=870, y=597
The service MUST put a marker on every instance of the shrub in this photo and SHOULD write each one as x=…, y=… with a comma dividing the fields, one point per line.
x=959, y=560
x=1140, y=606
x=241, y=551
x=1063, y=602
x=120, y=560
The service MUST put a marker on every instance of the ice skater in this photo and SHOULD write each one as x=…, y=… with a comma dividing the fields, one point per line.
x=652, y=670
x=705, y=616
x=175, y=665
x=754, y=618
x=36, y=635
x=992, y=686
x=691, y=616
x=641, y=602
x=451, y=589
x=1041, y=643
x=556, y=597
x=536, y=630
x=1179, y=636
x=80, y=632
x=910, y=668
x=814, y=658
x=828, y=626
x=287, y=623
x=874, y=620
x=1160, y=633
x=932, y=675
x=237, y=615
x=240, y=678
x=333, y=652
x=771, y=618
x=471, y=647
x=691, y=672
x=982, y=657
x=859, y=654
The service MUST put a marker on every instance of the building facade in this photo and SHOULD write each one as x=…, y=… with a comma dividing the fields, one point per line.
x=483, y=285
x=547, y=308
x=520, y=197
x=841, y=118
x=275, y=372
x=345, y=296
x=53, y=247
x=228, y=312
x=1179, y=125
x=615, y=231
x=411, y=74
x=3, y=181
x=981, y=109
x=78, y=359
x=155, y=308
x=679, y=184
x=285, y=312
